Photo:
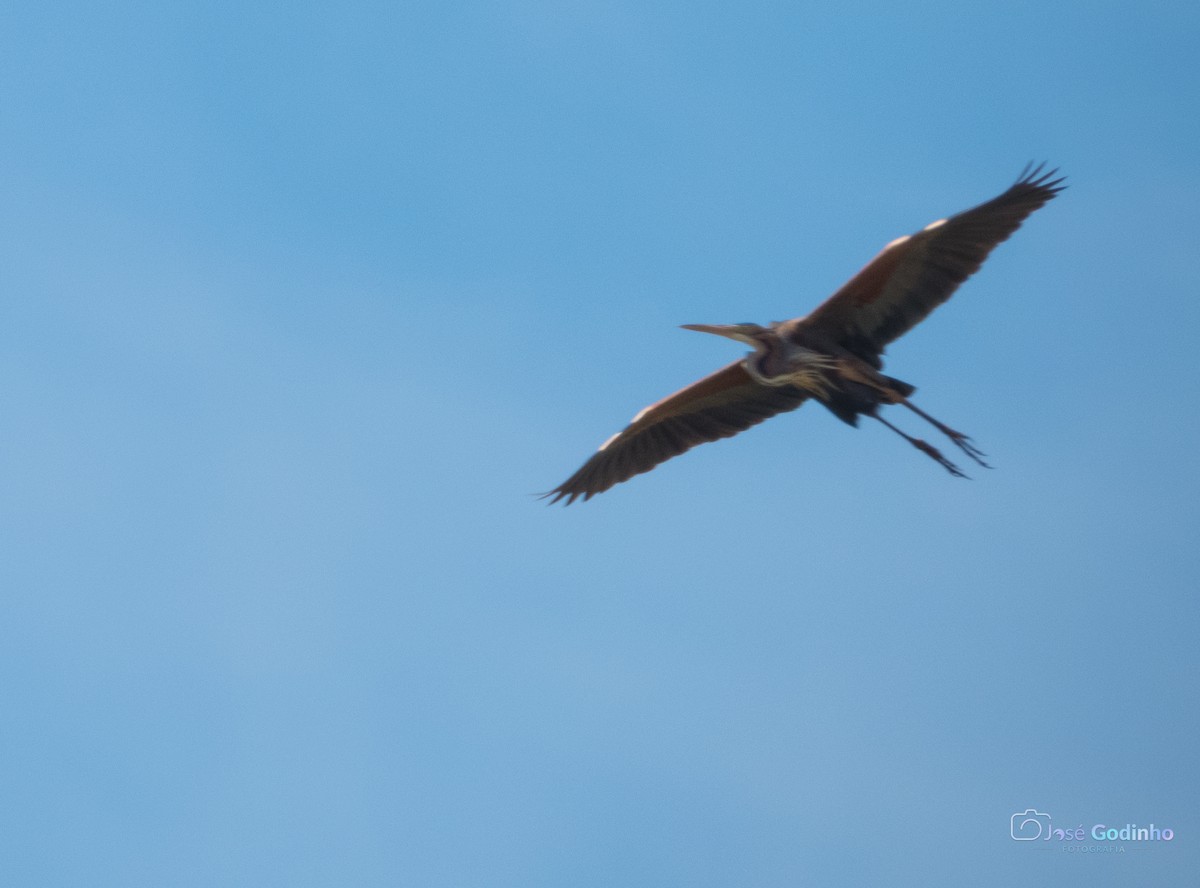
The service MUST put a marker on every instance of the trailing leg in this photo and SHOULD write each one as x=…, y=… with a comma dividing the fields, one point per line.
x=925, y=447
x=963, y=442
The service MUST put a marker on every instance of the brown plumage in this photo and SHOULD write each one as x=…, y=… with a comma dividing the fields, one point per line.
x=833, y=355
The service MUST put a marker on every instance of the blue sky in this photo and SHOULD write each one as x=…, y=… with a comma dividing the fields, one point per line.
x=302, y=302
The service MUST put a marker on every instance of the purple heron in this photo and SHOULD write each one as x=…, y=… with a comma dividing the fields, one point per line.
x=833, y=355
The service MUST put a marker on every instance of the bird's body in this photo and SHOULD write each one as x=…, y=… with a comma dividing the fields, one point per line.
x=833, y=355
x=791, y=353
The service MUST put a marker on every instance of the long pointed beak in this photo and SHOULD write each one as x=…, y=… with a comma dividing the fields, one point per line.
x=729, y=331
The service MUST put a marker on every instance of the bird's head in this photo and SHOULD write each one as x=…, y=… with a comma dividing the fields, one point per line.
x=751, y=334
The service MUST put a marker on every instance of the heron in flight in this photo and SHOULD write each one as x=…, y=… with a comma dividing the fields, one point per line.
x=833, y=355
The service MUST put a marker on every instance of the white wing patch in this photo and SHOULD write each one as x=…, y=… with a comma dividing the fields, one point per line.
x=932, y=225
x=898, y=241
x=613, y=438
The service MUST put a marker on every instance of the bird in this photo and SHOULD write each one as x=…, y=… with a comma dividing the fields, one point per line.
x=833, y=355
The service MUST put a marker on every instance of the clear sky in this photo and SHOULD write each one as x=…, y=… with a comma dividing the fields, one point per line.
x=302, y=302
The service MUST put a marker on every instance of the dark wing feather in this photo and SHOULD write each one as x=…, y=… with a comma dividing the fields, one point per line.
x=718, y=406
x=914, y=275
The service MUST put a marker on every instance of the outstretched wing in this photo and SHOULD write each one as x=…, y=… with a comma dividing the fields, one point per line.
x=914, y=275
x=718, y=406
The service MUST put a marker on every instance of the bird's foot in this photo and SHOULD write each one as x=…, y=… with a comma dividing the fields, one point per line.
x=966, y=446
x=929, y=450
x=960, y=440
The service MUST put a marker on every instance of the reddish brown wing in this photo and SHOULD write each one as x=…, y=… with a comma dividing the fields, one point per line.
x=914, y=275
x=718, y=406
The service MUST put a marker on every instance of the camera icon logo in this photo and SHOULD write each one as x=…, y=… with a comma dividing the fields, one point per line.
x=1030, y=825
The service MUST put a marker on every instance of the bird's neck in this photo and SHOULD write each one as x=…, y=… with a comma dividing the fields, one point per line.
x=777, y=362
